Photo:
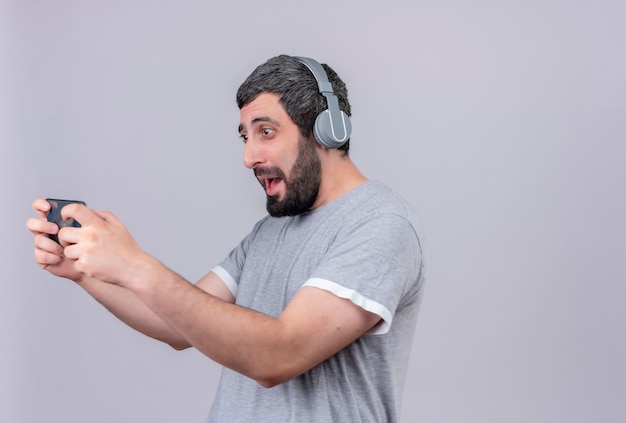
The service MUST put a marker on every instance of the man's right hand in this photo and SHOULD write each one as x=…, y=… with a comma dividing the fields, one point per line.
x=49, y=254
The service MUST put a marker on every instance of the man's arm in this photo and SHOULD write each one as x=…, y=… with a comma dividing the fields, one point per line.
x=120, y=301
x=314, y=326
x=127, y=307
x=130, y=309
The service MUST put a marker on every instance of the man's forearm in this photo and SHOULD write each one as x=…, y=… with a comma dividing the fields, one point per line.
x=314, y=326
x=238, y=338
x=127, y=307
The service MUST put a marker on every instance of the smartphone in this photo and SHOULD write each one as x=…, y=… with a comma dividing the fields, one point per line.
x=54, y=215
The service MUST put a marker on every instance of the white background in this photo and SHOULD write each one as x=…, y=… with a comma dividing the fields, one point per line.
x=502, y=122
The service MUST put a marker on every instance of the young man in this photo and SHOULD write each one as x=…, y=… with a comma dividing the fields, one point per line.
x=312, y=315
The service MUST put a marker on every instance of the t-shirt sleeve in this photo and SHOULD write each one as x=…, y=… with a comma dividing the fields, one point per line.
x=374, y=264
x=230, y=269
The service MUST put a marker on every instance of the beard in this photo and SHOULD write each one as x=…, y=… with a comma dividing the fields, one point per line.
x=302, y=186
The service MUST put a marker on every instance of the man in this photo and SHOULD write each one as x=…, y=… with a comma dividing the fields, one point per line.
x=312, y=314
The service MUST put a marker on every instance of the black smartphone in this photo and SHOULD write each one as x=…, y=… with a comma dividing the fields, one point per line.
x=54, y=215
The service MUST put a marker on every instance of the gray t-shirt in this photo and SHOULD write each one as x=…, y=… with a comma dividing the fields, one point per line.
x=364, y=246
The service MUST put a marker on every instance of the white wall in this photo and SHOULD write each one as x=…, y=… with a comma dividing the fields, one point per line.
x=502, y=122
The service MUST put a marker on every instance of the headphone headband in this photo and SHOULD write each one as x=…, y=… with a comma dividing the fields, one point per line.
x=332, y=127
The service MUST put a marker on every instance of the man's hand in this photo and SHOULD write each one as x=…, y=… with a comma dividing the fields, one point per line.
x=48, y=254
x=102, y=247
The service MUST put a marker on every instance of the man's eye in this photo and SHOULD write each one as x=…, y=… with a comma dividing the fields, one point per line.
x=244, y=137
x=267, y=131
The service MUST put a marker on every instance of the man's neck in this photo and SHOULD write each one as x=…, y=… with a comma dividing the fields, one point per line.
x=339, y=176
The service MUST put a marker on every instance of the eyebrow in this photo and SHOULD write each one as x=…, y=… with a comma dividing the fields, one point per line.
x=260, y=119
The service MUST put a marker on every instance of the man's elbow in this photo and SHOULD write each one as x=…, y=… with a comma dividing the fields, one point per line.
x=280, y=366
x=178, y=346
x=270, y=382
x=276, y=376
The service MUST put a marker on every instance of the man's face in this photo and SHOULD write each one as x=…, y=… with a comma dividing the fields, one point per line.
x=285, y=163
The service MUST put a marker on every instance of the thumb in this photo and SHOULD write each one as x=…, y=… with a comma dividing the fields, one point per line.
x=79, y=213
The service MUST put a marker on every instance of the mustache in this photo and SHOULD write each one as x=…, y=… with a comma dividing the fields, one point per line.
x=270, y=171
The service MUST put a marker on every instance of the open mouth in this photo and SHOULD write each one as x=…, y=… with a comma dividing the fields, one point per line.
x=270, y=179
x=271, y=185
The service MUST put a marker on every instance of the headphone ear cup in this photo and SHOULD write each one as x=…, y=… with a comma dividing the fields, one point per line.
x=325, y=133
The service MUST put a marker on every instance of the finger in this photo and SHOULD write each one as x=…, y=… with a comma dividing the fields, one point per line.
x=41, y=207
x=38, y=226
x=44, y=243
x=70, y=235
x=79, y=212
x=45, y=258
x=72, y=252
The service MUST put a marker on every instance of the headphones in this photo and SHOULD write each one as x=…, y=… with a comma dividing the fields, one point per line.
x=332, y=127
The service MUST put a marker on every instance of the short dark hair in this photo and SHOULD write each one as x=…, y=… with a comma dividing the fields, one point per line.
x=298, y=90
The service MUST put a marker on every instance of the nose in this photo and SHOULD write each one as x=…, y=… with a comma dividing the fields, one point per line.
x=252, y=154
